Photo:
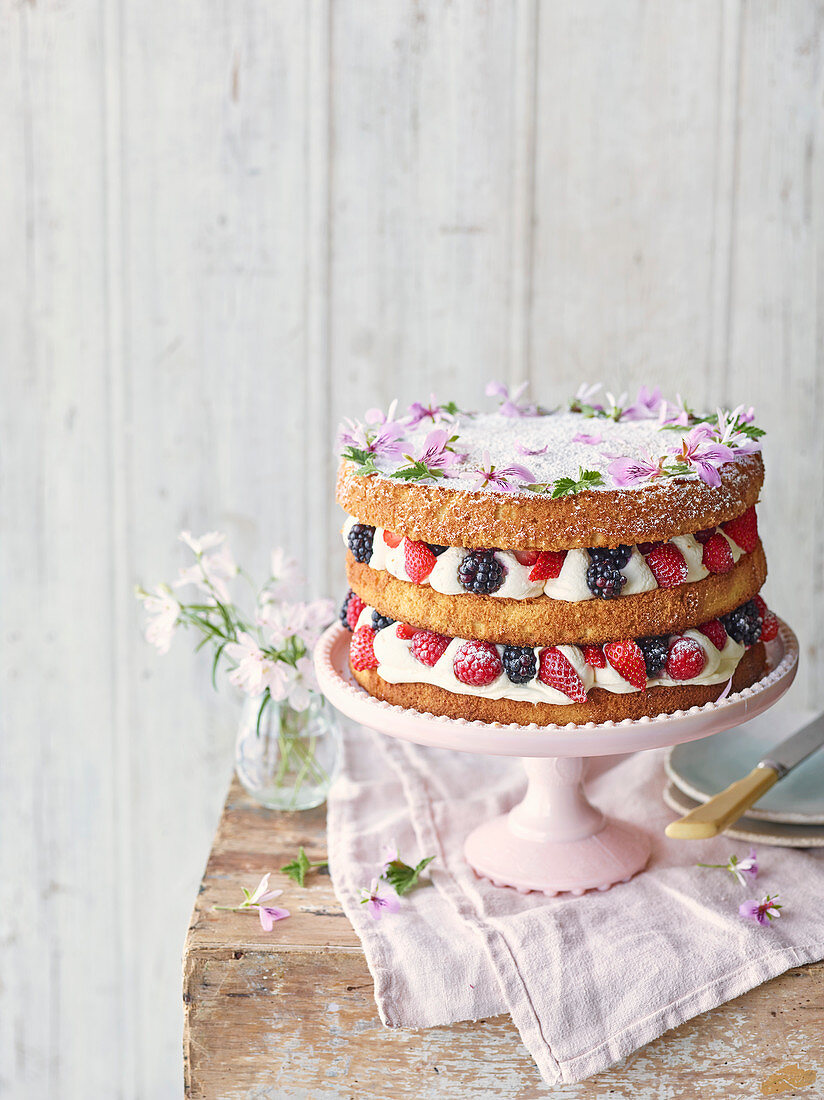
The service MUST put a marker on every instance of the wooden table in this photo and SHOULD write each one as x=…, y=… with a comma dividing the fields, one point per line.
x=290, y=1013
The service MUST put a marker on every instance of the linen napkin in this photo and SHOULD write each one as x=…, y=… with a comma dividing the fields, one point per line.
x=587, y=980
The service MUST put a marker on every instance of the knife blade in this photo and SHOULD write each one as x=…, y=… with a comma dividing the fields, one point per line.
x=792, y=750
x=714, y=815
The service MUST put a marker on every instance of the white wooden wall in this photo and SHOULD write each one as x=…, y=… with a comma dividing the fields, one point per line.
x=222, y=225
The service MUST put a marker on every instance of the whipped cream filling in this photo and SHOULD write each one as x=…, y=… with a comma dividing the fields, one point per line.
x=570, y=585
x=398, y=665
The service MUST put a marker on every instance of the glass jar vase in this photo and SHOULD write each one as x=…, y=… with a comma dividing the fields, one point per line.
x=288, y=759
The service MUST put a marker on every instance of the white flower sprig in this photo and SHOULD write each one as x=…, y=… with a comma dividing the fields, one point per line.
x=268, y=653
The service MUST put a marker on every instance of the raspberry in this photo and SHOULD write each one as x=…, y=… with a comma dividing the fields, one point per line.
x=360, y=542
x=705, y=535
x=436, y=549
x=481, y=572
x=392, y=540
x=548, y=565
x=744, y=624
x=557, y=672
x=618, y=555
x=428, y=647
x=380, y=622
x=654, y=650
x=627, y=658
x=405, y=631
x=667, y=564
x=686, y=659
x=716, y=633
x=604, y=579
x=594, y=656
x=769, y=626
x=744, y=530
x=526, y=557
x=419, y=561
x=645, y=547
x=761, y=604
x=477, y=663
x=519, y=663
x=717, y=554
x=361, y=651
x=351, y=610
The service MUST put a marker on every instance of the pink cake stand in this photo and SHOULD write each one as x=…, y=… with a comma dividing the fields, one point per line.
x=555, y=840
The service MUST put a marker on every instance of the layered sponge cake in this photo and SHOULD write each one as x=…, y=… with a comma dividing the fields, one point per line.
x=594, y=561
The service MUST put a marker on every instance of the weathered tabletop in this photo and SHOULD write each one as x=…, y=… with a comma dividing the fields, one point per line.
x=290, y=1013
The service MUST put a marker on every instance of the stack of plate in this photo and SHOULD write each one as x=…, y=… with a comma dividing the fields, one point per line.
x=790, y=814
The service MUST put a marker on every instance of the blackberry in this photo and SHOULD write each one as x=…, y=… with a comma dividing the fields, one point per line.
x=437, y=550
x=605, y=580
x=481, y=572
x=344, y=609
x=744, y=624
x=380, y=622
x=616, y=555
x=360, y=542
x=519, y=663
x=655, y=652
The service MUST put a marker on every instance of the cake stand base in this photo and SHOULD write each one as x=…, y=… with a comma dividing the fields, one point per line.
x=554, y=840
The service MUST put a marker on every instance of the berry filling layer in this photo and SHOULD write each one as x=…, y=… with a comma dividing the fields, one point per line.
x=708, y=654
x=569, y=575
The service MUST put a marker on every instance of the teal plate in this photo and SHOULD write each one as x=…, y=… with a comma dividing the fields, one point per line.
x=703, y=768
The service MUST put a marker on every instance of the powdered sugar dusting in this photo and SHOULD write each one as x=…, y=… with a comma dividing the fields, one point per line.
x=546, y=445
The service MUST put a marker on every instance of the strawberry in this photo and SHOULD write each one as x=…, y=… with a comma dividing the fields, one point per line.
x=526, y=557
x=667, y=564
x=419, y=561
x=548, y=565
x=715, y=631
x=769, y=620
x=744, y=530
x=769, y=626
x=405, y=631
x=717, y=555
x=557, y=672
x=686, y=659
x=361, y=649
x=477, y=663
x=354, y=607
x=391, y=539
x=705, y=535
x=594, y=656
x=627, y=659
x=428, y=647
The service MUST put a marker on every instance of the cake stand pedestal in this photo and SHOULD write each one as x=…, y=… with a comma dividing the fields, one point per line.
x=554, y=840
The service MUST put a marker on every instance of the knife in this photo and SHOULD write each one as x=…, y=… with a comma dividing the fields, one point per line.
x=726, y=807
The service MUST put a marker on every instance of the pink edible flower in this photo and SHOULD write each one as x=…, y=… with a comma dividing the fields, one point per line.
x=500, y=479
x=436, y=454
x=382, y=437
x=509, y=405
x=705, y=456
x=626, y=471
x=647, y=405
x=377, y=903
x=527, y=452
x=674, y=414
x=270, y=913
x=761, y=911
x=433, y=411
x=582, y=437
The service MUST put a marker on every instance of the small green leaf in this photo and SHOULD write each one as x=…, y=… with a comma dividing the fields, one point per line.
x=298, y=867
x=563, y=486
x=402, y=877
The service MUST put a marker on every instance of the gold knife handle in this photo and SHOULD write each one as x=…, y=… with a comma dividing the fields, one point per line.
x=722, y=809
